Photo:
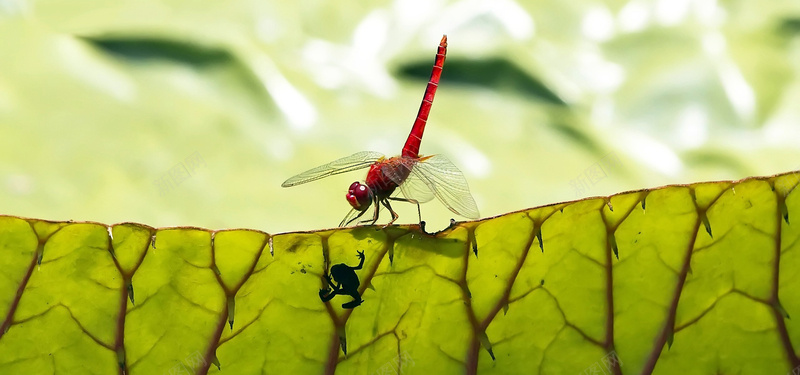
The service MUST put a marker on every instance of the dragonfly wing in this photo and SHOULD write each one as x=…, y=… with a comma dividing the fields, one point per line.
x=447, y=183
x=415, y=188
x=353, y=162
x=412, y=187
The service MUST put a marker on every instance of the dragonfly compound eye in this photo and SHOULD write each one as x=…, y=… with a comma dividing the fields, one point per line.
x=359, y=196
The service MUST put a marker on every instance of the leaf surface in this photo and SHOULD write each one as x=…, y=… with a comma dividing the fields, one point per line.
x=692, y=279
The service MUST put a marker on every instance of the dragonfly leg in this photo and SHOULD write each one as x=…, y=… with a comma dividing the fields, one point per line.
x=394, y=214
x=343, y=223
x=376, y=212
x=414, y=201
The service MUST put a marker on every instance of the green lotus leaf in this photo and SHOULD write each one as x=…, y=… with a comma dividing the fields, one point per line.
x=689, y=279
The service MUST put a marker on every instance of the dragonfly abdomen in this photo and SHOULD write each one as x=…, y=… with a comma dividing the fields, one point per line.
x=411, y=148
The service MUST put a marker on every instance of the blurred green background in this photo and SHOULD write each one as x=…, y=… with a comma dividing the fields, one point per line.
x=186, y=113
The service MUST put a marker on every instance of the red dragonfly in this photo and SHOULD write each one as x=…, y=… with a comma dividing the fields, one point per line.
x=420, y=178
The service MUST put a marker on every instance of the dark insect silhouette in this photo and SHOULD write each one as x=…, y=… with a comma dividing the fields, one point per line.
x=346, y=283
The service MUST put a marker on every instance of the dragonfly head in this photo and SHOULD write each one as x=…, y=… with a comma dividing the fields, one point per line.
x=359, y=196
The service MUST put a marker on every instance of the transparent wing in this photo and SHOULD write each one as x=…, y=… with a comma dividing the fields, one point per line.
x=447, y=183
x=398, y=169
x=353, y=162
x=415, y=188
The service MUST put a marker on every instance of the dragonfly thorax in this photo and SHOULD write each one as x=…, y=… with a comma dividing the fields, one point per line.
x=359, y=196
